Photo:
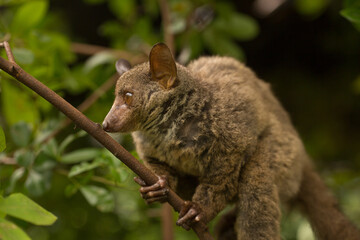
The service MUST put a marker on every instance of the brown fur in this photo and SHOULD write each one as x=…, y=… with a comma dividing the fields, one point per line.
x=215, y=123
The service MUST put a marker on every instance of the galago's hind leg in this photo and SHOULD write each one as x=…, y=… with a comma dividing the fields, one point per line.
x=258, y=206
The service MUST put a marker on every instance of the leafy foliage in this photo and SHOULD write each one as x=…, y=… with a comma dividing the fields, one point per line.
x=19, y=206
x=351, y=12
x=90, y=191
x=9, y=231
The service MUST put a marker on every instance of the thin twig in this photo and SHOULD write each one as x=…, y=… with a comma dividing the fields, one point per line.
x=7, y=161
x=8, y=51
x=96, y=131
x=166, y=21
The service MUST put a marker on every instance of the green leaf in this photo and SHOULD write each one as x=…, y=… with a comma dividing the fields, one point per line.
x=23, y=56
x=21, y=134
x=37, y=183
x=124, y=9
x=351, y=14
x=144, y=30
x=83, y=167
x=311, y=7
x=99, y=59
x=44, y=162
x=51, y=148
x=118, y=172
x=99, y=197
x=70, y=190
x=92, y=194
x=240, y=26
x=2, y=140
x=17, y=104
x=24, y=159
x=9, y=231
x=69, y=139
x=29, y=15
x=81, y=155
x=222, y=45
x=15, y=176
x=107, y=202
x=22, y=207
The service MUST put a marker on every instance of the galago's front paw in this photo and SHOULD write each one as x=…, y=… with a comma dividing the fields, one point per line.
x=157, y=192
x=190, y=213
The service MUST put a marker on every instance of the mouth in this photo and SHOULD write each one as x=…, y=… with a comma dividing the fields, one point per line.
x=110, y=128
x=119, y=127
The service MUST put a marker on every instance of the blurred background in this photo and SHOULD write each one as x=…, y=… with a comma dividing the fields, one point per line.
x=307, y=49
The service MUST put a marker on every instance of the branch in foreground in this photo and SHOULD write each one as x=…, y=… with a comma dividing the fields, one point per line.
x=96, y=131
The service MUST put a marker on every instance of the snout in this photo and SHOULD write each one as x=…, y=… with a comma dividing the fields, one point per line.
x=111, y=122
x=119, y=119
x=106, y=126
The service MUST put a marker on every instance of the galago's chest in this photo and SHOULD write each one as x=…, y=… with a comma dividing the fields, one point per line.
x=182, y=159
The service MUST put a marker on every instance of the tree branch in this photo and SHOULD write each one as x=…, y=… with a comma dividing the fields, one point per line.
x=7, y=161
x=8, y=51
x=96, y=131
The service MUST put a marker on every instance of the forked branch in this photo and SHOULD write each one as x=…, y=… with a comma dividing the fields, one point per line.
x=94, y=129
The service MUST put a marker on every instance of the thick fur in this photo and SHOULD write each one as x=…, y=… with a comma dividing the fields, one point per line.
x=221, y=137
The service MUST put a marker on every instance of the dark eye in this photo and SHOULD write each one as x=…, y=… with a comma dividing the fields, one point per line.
x=128, y=97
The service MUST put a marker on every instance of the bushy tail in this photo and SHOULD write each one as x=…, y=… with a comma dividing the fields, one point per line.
x=322, y=209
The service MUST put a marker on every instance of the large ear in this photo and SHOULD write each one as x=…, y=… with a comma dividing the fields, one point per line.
x=122, y=66
x=162, y=66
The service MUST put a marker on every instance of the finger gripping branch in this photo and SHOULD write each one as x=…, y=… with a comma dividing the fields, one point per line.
x=157, y=192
